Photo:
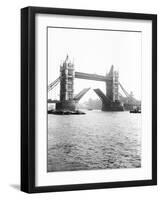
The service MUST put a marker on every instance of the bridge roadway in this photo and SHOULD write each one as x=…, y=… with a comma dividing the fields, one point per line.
x=94, y=77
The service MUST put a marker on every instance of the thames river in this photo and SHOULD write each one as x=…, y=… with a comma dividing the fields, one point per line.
x=97, y=140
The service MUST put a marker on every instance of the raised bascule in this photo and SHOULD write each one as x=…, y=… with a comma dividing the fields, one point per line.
x=111, y=101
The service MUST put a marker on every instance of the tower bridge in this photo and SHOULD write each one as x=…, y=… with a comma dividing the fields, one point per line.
x=111, y=101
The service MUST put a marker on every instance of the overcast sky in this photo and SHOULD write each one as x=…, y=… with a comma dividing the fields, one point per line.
x=94, y=51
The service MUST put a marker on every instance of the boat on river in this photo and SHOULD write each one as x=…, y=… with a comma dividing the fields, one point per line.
x=136, y=110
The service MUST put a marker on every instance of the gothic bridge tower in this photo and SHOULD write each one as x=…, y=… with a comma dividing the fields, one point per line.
x=67, y=75
x=112, y=92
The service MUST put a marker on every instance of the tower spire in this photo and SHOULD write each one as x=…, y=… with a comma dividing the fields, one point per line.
x=111, y=70
x=67, y=58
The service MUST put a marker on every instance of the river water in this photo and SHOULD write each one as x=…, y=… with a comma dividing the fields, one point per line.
x=97, y=140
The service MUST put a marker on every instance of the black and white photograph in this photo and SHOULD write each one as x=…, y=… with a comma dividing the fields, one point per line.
x=89, y=106
x=94, y=99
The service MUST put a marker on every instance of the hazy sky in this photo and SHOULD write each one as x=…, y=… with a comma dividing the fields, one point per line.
x=94, y=51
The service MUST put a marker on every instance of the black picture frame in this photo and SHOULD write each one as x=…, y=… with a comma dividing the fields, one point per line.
x=28, y=98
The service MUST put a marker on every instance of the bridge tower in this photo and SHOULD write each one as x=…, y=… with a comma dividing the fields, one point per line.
x=112, y=84
x=112, y=92
x=66, y=86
